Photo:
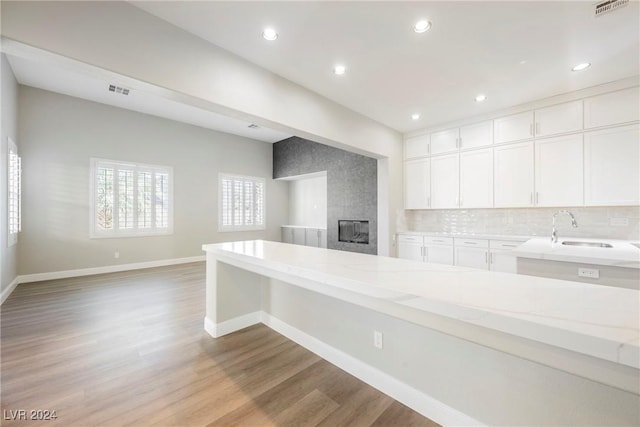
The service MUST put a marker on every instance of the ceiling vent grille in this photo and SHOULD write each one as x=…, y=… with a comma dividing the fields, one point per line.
x=253, y=126
x=609, y=6
x=118, y=89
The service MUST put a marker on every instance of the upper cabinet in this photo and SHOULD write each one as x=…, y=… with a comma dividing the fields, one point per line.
x=611, y=165
x=445, y=141
x=476, y=179
x=417, y=189
x=444, y=181
x=417, y=146
x=557, y=119
x=558, y=171
x=476, y=135
x=515, y=127
x=513, y=175
x=612, y=108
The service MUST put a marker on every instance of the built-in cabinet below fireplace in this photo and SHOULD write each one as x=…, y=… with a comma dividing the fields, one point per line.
x=301, y=235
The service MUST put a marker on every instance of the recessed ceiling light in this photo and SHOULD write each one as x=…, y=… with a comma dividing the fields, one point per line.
x=339, y=70
x=269, y=34
x=581, y=67
x=422, y=26
x=415, y=116
x=481, y=97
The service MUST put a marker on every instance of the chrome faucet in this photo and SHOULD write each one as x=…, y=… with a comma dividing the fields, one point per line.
x=554, y=233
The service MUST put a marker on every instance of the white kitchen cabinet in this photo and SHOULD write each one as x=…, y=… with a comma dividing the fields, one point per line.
x=472, y=253
x=559, y=171
x=410, y=247
x=445, y=141
x=611, y=166
x=501, y=256
x=444, y=181
x=417, y=188
x=476, y=179
x=513, y=175
x=557, y=119
x=417, y=146
x=476, y=135
x=316, y=237
x=515, y=127
x=439, y=250
x=612, y=108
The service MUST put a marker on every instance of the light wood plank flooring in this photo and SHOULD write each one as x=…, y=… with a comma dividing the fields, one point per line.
x=130, y=349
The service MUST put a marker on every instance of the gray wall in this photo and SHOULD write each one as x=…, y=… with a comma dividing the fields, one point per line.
x=59, y=134
x=352, y=185
x=8, y=256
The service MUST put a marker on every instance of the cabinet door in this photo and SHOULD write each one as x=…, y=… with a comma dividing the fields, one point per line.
x=560, y=118
x=416, y=184
x=476, y=179
x=611, y=166
x=323, y=237
x=471, y=257
x=417, y=146
x=513, y=128
x=312, y=237
x=287, y=235
x=612, y=108
x=503, y=261
x=299, y=235
x=444, y=182
x=410, y=250
x=559, y=166
x=477, y=135
x=440, y=254
x=445, y=141
x=513, y=175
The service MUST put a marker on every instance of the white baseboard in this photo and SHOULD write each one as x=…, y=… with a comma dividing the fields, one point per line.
x=415, y=399
x=39, y=277
x=217, y=330
x=5, y=294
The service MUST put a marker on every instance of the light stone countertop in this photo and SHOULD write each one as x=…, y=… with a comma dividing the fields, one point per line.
x=622, y=254
x=594, y=320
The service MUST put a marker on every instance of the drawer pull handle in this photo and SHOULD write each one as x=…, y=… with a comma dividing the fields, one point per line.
x=471, y=243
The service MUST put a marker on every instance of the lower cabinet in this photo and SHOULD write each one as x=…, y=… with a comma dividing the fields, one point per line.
x=494, y=255
x=316, y=237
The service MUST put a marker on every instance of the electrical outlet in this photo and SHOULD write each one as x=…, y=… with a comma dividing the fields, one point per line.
x=377, y=339
x=619, y=222
x=116, y=254
x=591, y=273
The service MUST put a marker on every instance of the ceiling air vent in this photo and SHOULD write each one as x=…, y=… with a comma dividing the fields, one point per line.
x=118, y=89
x=253, y=126
x=609, y=6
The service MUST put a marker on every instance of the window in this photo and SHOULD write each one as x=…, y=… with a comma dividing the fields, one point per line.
x=14, y=193
x=240, y=203
x=130, y=199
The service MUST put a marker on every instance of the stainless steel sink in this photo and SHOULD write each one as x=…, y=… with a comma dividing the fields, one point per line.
x=587, y=244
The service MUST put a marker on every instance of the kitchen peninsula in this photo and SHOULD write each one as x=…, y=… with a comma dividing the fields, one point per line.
x=459, y=345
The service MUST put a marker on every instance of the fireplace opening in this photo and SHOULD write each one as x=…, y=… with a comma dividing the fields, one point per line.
x=352, y=231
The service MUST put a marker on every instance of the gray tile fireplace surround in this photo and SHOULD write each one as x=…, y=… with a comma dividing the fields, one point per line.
x=352, y=185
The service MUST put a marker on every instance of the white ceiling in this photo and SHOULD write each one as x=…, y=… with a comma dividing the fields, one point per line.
x=63, y=76
x=514, y=52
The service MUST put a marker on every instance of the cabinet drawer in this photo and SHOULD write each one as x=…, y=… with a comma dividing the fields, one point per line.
x=404, y=238
x=508, y=245
x=446, y=241
x=472, y=243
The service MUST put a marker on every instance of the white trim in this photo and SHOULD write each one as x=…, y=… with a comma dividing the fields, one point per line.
x=38, y=277
x=217, y=330
x=12, y=286
x=415, y=399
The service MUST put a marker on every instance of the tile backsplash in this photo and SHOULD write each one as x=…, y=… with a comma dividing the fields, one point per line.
x=592, y=222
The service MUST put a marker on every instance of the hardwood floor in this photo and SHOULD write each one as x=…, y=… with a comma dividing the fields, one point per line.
x=130, y=349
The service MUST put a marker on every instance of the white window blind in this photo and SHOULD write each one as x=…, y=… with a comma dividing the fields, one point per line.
x=130, y=199
x=241, y=202
x=14, y=193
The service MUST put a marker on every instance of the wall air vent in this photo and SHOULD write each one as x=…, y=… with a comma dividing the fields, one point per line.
x=609, y=6
x=253, y=126
x=118, y=89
